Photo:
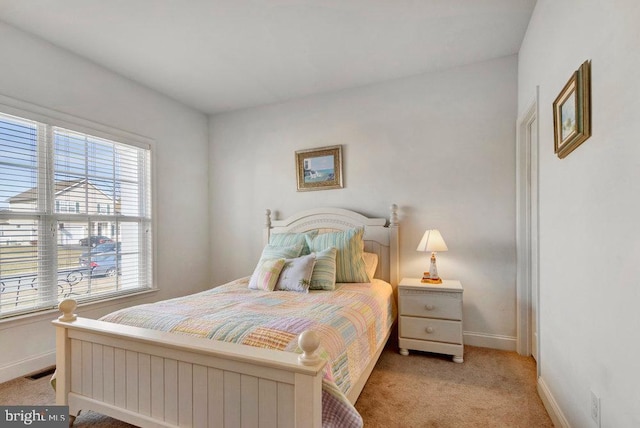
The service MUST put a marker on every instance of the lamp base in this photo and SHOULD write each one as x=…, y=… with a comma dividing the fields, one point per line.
x=426, y=279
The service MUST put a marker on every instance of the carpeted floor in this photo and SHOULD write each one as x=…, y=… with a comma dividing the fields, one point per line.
x=490, y=389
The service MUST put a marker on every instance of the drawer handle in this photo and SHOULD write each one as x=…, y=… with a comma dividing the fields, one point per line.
x=429, y=307
x=429, y=329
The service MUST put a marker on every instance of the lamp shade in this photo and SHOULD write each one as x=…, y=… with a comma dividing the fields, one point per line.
x=432, y=241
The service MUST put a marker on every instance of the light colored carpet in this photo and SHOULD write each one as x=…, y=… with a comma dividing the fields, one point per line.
x=490, y=389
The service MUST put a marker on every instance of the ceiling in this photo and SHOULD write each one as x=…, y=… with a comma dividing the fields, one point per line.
x=221, y=55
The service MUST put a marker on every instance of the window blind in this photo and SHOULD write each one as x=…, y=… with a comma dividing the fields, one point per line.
x=75, y=216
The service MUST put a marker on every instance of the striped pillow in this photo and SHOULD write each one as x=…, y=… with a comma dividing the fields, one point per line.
x=324, y=271
x=266, y=275
x=349, y=264
x=280, y=252
x=287, y=239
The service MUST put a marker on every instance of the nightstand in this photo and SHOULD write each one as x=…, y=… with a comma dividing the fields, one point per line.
x=430, y=317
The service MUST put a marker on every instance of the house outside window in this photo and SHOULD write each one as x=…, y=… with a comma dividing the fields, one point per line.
x=63, y=193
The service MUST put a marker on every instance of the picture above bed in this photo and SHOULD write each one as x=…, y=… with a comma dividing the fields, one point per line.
x=319, y=169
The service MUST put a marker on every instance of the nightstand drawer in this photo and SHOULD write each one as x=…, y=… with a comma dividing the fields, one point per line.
x=431, y=329
x=432, y=304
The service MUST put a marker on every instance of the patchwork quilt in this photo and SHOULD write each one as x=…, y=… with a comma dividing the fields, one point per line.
x=352, y=322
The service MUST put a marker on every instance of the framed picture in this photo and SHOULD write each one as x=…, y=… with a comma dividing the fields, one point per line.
x=319, y=169
x=572, y=112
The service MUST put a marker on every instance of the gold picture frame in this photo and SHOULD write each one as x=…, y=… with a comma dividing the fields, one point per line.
x=319, y=169
x=572, y=112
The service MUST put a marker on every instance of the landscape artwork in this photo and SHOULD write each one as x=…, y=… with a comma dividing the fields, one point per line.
x=568, y=114
x=572, y=112
x=319, y=169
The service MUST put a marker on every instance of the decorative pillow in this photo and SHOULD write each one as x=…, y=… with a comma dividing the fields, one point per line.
x=296, y=274
x=324, y=271
x=279, y=252
x=370, y=263
x=266, y=274
x=287, y=239
x=349, y=264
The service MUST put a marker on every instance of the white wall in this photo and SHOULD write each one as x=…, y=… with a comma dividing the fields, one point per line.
x=440, y=145
x=589, y=205
x=36, y=72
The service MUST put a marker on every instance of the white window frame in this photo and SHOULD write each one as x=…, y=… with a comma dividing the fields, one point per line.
x=49, y=220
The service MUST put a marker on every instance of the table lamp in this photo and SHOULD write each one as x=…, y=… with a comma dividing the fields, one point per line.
x=432, y=241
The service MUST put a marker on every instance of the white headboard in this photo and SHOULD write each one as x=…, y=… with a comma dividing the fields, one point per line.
x=379, y=237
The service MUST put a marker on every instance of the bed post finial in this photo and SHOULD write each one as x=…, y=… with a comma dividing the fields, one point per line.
x=267, y=221
x=394, y=215
x=67, y=306
x=266, y=233
x=309, y=341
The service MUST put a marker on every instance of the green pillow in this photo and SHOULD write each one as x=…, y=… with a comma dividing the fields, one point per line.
x=350, y=266
x=324, y=271
x=279, y=252
x=287, y=239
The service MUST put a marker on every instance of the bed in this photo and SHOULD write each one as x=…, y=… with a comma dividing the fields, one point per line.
x=151, y=377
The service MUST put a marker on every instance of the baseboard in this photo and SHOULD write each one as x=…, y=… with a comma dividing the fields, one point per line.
x=550, y=403
x=28, y=366
x=493, y=341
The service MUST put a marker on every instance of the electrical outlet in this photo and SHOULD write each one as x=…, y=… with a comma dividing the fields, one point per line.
x=595, y=408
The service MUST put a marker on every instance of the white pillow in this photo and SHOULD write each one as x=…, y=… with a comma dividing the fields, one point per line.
x=296, y=274
x=370, y=263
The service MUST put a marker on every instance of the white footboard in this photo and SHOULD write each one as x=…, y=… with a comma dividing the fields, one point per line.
x=152, y=378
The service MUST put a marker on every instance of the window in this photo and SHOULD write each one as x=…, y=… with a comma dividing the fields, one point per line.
x=103, y=209
x=75, y=216
x=67, y=206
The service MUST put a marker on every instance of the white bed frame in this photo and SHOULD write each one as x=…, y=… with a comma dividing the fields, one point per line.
x=158, y=379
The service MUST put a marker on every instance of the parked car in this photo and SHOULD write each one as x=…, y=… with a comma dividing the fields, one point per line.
x=107, y=247
x=106, y=264
x=94, y=240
